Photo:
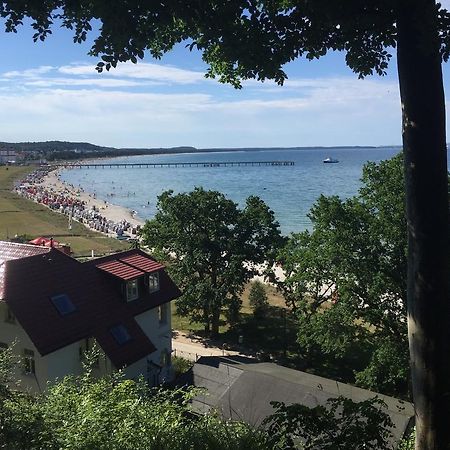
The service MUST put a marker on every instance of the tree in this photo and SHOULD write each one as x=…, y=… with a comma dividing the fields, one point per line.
x=339, y=425
x=212, y=248
x=258, y=299
x=347, y=278
x=242, y=39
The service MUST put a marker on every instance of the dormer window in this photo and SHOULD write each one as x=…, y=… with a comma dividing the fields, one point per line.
x=153, y=282
x=132, y=290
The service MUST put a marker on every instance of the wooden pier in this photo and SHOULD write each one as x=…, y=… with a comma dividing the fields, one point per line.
x=87, y=165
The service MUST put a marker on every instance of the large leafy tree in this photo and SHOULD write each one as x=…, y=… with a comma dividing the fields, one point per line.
x=347, y=278
x=242, y=39
x=212, y=248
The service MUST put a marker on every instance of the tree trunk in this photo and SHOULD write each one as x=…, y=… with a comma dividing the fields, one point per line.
x=424, y=146
x=215, y=323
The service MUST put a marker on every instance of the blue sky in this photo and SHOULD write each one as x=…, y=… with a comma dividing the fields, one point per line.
x=51, y=91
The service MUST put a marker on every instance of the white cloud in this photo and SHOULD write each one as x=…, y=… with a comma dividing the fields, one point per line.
x=156, y=105
x=93, y=82
x=310, y=112
x=28, y=73
x=147, y=71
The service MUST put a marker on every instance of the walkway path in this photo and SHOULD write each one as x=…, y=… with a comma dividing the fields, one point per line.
x=191, y=347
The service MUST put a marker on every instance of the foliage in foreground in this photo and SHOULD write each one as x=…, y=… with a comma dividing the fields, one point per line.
x=212, y=248
x=115, y=414
x=112, y=413
x=339, y=425
x=347, y=278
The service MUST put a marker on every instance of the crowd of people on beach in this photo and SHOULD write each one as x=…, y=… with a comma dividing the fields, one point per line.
x=67, y=202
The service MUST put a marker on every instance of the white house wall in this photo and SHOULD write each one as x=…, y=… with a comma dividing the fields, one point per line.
x=161, y=336
x=13, y=333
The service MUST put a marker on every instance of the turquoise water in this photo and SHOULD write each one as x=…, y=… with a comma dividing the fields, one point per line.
x=289, y=190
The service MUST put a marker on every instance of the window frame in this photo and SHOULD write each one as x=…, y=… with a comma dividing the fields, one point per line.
x=163, y=314
x=152, y=286
x=165, y=358
x=29, y=362
x=128, y=291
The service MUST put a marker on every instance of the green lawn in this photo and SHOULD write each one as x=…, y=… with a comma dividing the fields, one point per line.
x=19, y=216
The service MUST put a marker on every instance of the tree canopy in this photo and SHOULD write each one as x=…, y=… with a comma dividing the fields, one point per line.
x=238, y=39
x=212, y=248
x=347, y=279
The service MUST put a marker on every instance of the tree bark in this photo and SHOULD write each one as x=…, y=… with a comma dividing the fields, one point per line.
x=215, y=321
x=424, y=146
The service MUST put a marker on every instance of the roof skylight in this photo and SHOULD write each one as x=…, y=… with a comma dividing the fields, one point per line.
x=63, y=304
x=120, y=334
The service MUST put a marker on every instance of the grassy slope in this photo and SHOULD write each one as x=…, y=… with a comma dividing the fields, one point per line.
x=24, y=217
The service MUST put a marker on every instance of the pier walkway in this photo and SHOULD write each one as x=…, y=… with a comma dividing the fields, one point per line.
x=87, y=165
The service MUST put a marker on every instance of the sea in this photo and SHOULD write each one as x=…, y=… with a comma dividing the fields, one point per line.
x=289, y=191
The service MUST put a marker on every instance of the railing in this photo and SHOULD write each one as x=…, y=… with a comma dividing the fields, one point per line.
x=87, y=165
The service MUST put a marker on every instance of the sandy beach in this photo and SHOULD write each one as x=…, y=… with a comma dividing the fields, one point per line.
x=45, y=187
x=110, y=211
x=94, y=213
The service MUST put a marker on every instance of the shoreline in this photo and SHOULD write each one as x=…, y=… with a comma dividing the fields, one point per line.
x=110, y=211
x=45, y=187
x=41, y=184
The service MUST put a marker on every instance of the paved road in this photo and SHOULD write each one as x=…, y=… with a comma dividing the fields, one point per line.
x=192, y=348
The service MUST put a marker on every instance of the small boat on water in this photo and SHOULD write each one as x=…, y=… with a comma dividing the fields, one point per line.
x=330, y=160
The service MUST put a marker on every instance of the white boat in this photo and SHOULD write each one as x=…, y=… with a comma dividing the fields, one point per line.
x=330, y=160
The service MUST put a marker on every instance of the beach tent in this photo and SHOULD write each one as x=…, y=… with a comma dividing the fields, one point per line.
x=47, y=242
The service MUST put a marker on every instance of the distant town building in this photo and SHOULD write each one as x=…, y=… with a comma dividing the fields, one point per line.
x=8, y=157
x=55, y=308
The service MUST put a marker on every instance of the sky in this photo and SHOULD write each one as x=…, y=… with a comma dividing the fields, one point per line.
x=51, y=91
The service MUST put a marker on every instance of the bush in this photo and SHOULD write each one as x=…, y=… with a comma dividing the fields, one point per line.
x=181, y=365
x=258, y=300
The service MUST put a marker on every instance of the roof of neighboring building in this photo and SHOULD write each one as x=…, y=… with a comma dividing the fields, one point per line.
x=13, y=250
x=120, y=270
x=31, y=282
x=242, y=390
x=128, y=267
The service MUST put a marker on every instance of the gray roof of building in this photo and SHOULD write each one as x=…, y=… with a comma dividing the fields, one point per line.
x=243, y=390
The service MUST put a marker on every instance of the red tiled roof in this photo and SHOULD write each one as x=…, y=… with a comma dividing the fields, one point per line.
x=14, y=250
x=120, y=270
x=97, y=300
x=143, y=263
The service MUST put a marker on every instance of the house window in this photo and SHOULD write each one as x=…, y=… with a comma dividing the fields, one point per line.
x=163, y=313
x=164, y=358
x=120, y=334
x=28, y=362
x=132, y=290
x=153, y=282
x=9, y=316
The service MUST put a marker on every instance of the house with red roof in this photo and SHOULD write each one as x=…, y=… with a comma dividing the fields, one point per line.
x=55, y=308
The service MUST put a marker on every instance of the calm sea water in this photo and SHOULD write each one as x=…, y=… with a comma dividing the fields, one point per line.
x=289, y=190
